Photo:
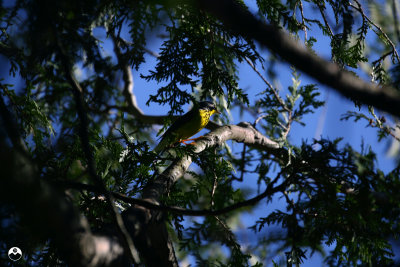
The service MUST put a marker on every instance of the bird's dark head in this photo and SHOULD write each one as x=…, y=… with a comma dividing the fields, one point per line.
x=209, y=106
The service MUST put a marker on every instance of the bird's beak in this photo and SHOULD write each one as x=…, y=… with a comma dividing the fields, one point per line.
x=216, y=111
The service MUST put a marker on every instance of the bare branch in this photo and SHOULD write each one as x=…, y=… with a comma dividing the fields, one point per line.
x=128, y=79
x=243, y=22
x=381, y=58
x=321, y=10
x=276, y=95
x=138, y=218
x=322, y=118
x=243, y=133
x=83, y=132
x=303, y=21
x=396, y=20
x=130, y=97
x=214, y=188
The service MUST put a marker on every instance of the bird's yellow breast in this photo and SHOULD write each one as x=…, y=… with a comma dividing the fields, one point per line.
x=198, y=122
x=204, y=117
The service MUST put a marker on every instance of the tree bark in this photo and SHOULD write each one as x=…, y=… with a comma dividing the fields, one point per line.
x=241, y=21
x=148, y=226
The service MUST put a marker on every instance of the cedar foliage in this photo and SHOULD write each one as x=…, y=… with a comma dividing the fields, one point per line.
x=335, y=196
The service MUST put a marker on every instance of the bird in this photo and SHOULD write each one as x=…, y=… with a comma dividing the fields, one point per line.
x=187, y=125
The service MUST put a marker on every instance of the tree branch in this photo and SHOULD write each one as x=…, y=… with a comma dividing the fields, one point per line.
x=240, y=20
x=83, y=133
x=139, y=219
x=45, y=210
x=269, y=191
x=51, y=215
x=130, y=98
x=359, y=9
x=243, y=133
x=128, y=80
x=321, y=10
x=159, y=238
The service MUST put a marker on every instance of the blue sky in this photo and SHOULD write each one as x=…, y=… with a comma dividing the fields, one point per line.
x=333, y=127
x=325, y=123
x=328, y=117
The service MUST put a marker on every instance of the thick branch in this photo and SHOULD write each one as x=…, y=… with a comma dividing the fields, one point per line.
x=239, y=19
x=243, y=133
x=148, y=225
x=130, y=97
x=152, y=238
x=44, y=208
x=53, y=216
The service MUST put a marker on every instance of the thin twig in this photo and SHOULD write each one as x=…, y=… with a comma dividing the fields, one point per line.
x=289, y=124
x=127, y=43
x=381, y=57
x=270, y=190
x=127, y=76
x=377, y=122
x=228, y=232
x=226, y=228
x=288, y=200
x=83, y=132
x=277, y=97
x=213, y=189
x=359, y=9
x=324, y=18
x=303, y=22
x=242, y=170
x=396, y=21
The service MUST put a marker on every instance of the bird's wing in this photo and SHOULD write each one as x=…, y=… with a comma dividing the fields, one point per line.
x=168, y=137
x=179, y=123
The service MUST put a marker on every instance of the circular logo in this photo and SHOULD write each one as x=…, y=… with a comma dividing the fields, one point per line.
x=14, y=253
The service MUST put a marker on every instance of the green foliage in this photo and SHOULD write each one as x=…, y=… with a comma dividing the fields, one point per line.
x=383, y=127
x=141, y=17
x=279, y=13
x=300, y=101
x=199, y=52
x=337, y=202
x=200, y=244
x=326, y=212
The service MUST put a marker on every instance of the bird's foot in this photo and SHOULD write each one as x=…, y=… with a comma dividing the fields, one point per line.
x=192, y=139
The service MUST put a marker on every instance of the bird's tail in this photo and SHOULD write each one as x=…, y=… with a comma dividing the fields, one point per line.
x=161, y=146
